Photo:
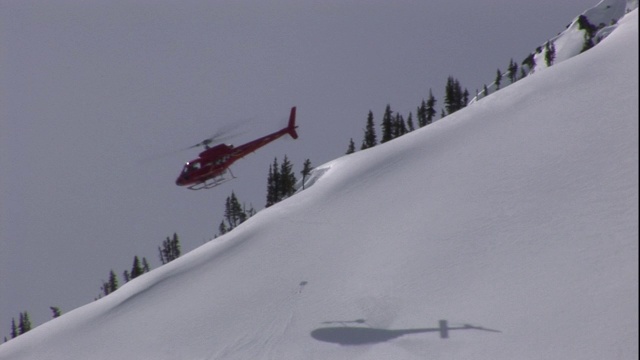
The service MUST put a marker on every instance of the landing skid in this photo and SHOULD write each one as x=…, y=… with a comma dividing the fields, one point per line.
x=213, y=182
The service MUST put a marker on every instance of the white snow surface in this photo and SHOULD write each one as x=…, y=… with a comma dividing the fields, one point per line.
x=517, y=215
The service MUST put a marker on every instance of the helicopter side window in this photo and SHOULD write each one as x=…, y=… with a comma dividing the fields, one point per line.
x=224, y=159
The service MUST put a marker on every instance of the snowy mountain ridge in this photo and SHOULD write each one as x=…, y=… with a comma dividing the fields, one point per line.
x=570, y=42
x=512, y=225
x=604, y=16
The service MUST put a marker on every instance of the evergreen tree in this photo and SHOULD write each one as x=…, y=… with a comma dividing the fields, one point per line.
x=498, y=79
x=113, y=282
x=306, y=169
x=234, y=213
x=351, y=148
x=145, y=265
x=109, y=286
x=588, y=44
x=387, y=125
x=513, y=71
x=249, y=212
x=550, y=53
x=485, y=90
x=56, y=311
x=410, y=126
x=399, y=127
x=453, y=99
x=273, y=183
x=280, y=182
x=25, y=323
x=370, y=139
x=136, y=268
x=104, y=288
x=287, y=179
x=222, y=228
x=421, y=113
x=465, y=98
x=238, y=210
x=529, y=62
x=14, y=328
x=590, y=32
x=430, y=110
x=170, y=249
x=228, y=211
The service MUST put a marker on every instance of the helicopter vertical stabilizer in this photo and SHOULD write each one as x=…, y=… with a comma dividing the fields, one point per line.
x=291, y=128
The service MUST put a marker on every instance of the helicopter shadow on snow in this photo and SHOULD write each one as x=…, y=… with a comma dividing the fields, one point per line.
x=352, y=332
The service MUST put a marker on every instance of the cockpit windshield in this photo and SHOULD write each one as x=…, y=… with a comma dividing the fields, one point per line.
x=191, y=166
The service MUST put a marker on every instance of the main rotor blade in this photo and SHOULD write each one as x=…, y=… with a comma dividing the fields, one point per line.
x=224, y=133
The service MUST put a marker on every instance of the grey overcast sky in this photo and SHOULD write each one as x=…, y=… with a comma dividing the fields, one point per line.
x=97, y=98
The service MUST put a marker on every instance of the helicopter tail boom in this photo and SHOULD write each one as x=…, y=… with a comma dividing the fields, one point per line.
x=291, y=128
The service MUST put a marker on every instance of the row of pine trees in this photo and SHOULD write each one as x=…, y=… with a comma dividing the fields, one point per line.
x=281, y=183
x=394, y=125
x=281, y=178
x=169, y=251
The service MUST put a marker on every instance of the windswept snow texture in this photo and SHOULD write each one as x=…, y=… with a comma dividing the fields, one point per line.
x=508, y=230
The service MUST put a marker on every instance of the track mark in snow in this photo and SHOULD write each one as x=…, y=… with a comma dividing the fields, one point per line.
x=281, y=325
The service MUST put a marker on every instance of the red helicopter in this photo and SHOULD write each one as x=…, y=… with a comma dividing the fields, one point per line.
x=211, y=166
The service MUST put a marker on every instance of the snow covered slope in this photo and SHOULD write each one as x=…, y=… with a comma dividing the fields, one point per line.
x=507, y=231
